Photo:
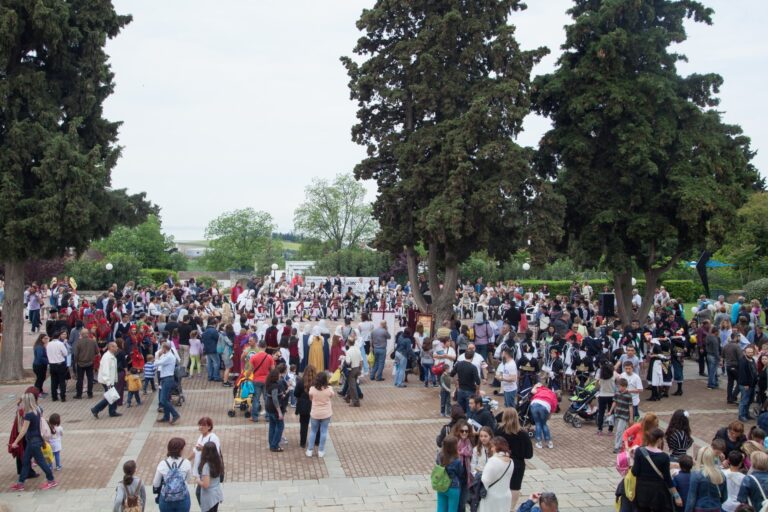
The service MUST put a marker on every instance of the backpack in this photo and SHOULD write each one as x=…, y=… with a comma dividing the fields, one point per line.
x=132, y=502
x=174, y=487
x=441, y=482
x=221, y=344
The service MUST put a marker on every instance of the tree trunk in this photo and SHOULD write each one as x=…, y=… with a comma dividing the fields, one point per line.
x=622, y=284
x=12, y=353
x=442, y=306
x=413, y=276
x=651, y=280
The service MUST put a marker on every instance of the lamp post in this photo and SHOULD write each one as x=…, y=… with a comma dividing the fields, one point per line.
x=274, y=271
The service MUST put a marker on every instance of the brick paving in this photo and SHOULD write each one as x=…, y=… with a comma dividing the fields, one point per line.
x=379, y=454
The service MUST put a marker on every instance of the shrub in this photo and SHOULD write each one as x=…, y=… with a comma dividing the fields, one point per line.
x=157, y=275
x=756, y=289
x=684, y=289
x=92, y=274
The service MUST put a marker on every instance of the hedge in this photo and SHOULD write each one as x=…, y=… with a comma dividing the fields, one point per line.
x=756, y=289
x=684, y=289
x=157, y=275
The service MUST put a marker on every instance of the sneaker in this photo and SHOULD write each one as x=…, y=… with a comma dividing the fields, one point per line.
x=550, y=444
x=17, y=487
x=58, y=468
x=128, y=406
x=599, y=432
x=50, y=484
x=538, y=444
x=309, y=453
x=320, y=454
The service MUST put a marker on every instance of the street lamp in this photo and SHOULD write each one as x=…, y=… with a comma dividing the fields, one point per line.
x=526, y=266
x=274, y=271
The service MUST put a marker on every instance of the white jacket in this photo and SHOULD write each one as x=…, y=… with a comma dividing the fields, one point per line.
x=108, y=369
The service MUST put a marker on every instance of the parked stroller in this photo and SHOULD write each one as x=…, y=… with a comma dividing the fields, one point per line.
x=243, y=392
x=523, y=410
x=581, y=408
x=177, y=391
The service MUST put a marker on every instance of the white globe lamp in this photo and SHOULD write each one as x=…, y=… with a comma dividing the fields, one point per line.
x=634, y=281
x=526, y=266
x=109, y=266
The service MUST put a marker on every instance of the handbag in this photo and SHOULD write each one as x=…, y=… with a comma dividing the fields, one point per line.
x=764, y=507
x=111, y=395
x=482, y=491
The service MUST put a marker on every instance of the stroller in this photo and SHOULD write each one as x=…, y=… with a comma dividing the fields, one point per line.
x=580, y=409
x=243, y=392
x=523, y=410
x=177, y=391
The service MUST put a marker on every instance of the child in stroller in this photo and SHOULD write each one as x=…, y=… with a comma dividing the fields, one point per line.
x=242, y=392
x=581, y=407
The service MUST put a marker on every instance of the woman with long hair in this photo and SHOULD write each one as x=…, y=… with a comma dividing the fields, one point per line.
x=654, y=491
x=520, y=448
x=496, y=476
x=210, y=469
x=465, y=435
x=320, y=416
x=636, y=435
x=708, y=490
x=482, y=451
x=448, y=457
x=303, y=402
x=678, y=435
x=30, y=432
x=275, y=404
x=40, y=362
x=129, y=489
x=173, y=462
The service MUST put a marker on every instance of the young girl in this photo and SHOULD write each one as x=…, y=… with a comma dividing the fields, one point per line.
x=448, y=457
x=56, y=432
x=195, y=349
x=482, y=451
x=210, y=470
x=130, y=491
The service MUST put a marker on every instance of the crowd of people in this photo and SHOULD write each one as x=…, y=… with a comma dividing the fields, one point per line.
x=530, y=346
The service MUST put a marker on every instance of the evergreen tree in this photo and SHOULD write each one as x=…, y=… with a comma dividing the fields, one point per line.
x=442, y=92
x=57, y=150
x=648, y=169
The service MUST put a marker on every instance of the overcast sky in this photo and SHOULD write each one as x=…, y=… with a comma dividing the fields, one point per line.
x=242, y=102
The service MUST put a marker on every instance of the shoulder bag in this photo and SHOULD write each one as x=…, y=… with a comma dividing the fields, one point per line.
x=764, y=507
x=482, y=491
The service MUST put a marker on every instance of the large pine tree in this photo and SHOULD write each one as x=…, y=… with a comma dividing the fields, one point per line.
x=57, y=150
x=648, y=169
x=442, y=90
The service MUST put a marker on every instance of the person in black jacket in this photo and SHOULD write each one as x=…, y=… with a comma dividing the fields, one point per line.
x=304, y=404
x=480, y=414
x=655, y=491
x=747, y=378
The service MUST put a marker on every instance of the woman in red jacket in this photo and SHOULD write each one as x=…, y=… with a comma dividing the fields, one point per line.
x=543, y=403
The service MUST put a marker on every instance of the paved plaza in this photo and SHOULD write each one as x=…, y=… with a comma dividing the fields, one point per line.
x=378, y=456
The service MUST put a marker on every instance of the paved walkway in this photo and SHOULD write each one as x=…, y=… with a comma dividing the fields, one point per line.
x=378, y=456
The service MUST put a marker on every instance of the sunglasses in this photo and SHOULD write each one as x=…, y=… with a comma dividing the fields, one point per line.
x=464, y=431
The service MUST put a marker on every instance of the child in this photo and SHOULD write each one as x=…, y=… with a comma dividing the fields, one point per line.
x=195, y=349
x=448, y=457
x=446, y=383
x=290, y=379
x=719, y=448
x=427, y=361
x=733, y=478
x=682, y=480
x=134, y=385
x=149, y=373
x=620, y=409
x=56, y=432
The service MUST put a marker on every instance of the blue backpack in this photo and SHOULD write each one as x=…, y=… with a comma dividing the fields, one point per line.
x=174, y=487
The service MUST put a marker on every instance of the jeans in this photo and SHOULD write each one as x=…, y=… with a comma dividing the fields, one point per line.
x=379, y=356
x=400, y=365
x=148, y=382
x=732, y=389
x=213, y=366
x=318, y=427
x=510, y=397
x=603, y=404
x=445, y=402
x=57, y=458
x=540, y=415
x=448, y=501
x=103, y=404
x=41, y=371
x=134, y=395
x=366, y=366
x=482, y=350
x=87, y=372
x=34, y=319
x=34, y=449
x=745, y=401
x=303, y=429
x=275, y=434
x=462, y=398
x=712, y=362
x=258, y=390
x=176, y=506
x=428, y=375
x=166, y=384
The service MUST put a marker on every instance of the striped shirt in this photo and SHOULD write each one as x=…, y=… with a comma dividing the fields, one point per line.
x=623, y=403
x=149, y=370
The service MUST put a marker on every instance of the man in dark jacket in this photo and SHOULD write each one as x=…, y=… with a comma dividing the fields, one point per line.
x=731, y=355
x=210, y=339
x=747, y=377
x=480, y=414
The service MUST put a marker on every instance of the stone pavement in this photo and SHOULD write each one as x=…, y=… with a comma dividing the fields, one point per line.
x=378, y=456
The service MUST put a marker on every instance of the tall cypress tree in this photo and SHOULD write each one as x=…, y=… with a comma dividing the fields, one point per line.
x=442, y=91
x=649, y=171
x=57, y=150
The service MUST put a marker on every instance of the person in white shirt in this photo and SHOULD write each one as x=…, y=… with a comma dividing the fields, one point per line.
x=354, y=360
x=57, y=361
x=107, y=378
x=174, y=460
x=205, y=425
x=634, y=386
x=506, y=372
x=166, y=364
x=637, y=300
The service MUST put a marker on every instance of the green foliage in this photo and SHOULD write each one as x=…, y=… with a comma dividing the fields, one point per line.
x=205, y=281
x=442, y=93
x=145, y=242
x=746, y=244
x=649, y=170
x=92, y=274
x=157, y=276
x=242, y=239
x=312, y=249
x=335, y=212
x=687, y=290
x=756, y=289
x=57, y=150
x=352, y=261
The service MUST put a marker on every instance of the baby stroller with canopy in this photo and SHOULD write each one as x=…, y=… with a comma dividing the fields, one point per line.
x=523, y=410
x=581, y=409
x=177, y=391
x=242, y=392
